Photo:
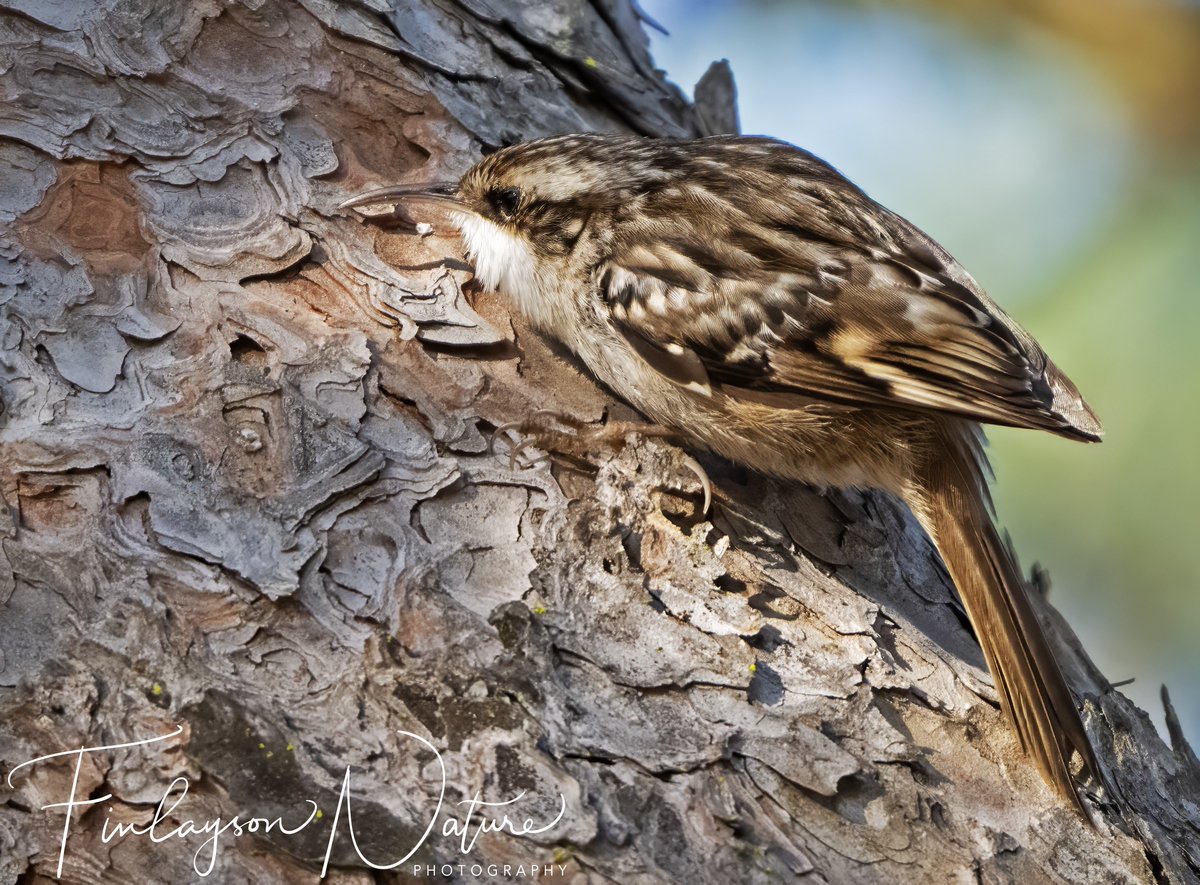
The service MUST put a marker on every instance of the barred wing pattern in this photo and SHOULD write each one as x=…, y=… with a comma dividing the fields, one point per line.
x=853, y=307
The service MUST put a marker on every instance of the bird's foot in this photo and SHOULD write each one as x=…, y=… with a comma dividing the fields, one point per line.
x=546, y=433
x=554, y=433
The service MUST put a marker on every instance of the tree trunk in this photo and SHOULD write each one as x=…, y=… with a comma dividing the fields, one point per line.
x=248, y=495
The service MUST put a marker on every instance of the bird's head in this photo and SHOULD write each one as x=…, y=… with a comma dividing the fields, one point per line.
x=523, y=210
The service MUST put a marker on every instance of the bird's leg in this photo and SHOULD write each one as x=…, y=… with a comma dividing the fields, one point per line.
x=558, y=434
x=537, y=431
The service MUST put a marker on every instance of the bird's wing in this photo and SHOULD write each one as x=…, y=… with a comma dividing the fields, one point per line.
x=778, y=311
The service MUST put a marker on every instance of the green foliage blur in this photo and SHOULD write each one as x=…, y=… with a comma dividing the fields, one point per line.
x=1054, y=147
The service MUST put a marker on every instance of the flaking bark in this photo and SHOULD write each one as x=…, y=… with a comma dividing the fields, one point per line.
x=247, y=490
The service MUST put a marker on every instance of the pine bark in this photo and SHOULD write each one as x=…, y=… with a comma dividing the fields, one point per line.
x=247, y=491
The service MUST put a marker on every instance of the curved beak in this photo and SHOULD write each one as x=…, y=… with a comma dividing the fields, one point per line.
x=390, y=199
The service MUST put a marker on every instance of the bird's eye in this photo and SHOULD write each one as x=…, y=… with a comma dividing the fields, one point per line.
x=505, y=201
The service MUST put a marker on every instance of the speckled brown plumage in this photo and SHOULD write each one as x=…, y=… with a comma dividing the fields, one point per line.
x=744, y=292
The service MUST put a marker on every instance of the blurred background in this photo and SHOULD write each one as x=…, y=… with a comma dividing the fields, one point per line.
x=1053, y=147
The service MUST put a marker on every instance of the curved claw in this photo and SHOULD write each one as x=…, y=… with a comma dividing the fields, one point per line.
x=705, y=483
x=525, y=422
x=499, y=431
x=529, y=464
x=518, y=446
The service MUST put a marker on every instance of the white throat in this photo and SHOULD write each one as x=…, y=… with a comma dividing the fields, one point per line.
x=502, y=261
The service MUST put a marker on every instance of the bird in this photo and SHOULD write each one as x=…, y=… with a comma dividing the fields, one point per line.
x=743, y=292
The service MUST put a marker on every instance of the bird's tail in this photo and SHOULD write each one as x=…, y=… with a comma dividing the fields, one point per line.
x=953, y=509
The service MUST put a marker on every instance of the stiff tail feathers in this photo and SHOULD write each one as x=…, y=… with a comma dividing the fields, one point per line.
x=1031, y=686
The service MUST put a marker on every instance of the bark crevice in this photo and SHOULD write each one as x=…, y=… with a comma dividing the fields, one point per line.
x=246, y=489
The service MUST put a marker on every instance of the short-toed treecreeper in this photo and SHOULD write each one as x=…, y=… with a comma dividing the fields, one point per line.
x=745, y=293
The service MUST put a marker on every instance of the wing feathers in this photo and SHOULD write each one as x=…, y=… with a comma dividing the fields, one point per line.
x=785, y=308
